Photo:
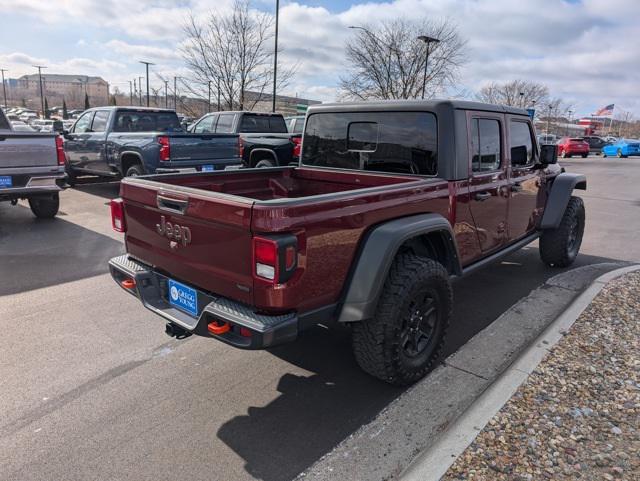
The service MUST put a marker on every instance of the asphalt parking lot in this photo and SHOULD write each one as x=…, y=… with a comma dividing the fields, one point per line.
x=93, y=389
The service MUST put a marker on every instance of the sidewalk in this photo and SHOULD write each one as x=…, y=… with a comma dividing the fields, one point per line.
x=578, y=415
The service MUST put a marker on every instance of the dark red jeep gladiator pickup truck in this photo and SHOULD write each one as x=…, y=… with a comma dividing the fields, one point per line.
x=391, y=201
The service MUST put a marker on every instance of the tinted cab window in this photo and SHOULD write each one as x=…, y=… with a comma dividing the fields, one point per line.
x=273, y=124
x=400, y=142
x=486, y=150
x=521, y=143
x=132, y=121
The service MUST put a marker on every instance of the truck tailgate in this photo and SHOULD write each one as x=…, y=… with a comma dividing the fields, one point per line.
x=203, y=146
x=25, y=149
x=212, y=250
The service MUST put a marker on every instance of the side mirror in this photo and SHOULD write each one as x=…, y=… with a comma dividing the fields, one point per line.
x=548, y=154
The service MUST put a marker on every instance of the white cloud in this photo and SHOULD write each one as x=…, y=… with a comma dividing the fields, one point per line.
x=584, y=51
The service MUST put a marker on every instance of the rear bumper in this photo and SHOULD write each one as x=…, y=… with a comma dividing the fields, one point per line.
x=151, y=288
x=191, y=166
x=29, y=181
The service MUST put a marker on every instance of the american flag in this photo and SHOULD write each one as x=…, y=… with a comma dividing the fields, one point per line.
x=604, y=111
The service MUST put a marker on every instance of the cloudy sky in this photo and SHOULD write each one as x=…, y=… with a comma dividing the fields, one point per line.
x=586, y=51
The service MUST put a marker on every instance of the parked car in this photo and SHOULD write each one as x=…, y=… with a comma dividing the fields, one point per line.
x=595, y=143
x=32, y=168
x=622, y=148
x=547, y=139
x=129, y=141
x=569, y=146
x=295, y=125
x=22, y=127
x=265, y=139
x=390, y=202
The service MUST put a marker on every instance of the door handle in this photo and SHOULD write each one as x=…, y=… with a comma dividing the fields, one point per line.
x=482, y=196
x=170, y=204
x=517, y=187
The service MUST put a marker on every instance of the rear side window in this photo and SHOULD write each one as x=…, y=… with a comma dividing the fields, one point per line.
x=273, y=124
x=486, y=145
x=397, y=142
x=205, y=126
x=298, y=126
x=225, y=123
x=100, y=121
x=147, y=122
x=521, y=143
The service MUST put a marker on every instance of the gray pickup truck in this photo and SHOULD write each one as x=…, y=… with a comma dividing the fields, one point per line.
x=130, y=141
x=32, y=168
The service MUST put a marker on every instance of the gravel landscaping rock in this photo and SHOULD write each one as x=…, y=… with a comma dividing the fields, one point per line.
x=578, y=415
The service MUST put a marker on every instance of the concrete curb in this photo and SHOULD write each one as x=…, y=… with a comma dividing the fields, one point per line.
x=433, y=463
x=412, y=423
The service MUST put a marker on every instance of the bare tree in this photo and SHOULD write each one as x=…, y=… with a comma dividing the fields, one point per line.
x=232, y=50
x=388, y=62
x=516, y=93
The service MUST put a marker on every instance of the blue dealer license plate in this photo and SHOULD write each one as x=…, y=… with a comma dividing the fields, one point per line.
x=183, y=297
x=208, y=168
x=5, y=181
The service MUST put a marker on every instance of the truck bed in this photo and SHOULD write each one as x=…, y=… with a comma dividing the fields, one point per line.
x=328, y=210
x=282, y=183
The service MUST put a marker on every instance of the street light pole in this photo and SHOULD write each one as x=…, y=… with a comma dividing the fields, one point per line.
x=147, y=68
x=40, y=67
x=166, y=94
x=275, y=59
x=130, y=93
x=175, y=93
x=428, y=41
x=4, y=87
x=140, y=89
x=209, y=92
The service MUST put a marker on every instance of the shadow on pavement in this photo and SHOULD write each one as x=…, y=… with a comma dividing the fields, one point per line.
x=98, y=187
x=36, y=253
x=314, y=413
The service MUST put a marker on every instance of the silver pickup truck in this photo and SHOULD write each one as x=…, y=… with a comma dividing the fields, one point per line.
x=32, y=168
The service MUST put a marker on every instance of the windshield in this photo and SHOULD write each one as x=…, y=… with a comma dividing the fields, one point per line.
x=132, y=121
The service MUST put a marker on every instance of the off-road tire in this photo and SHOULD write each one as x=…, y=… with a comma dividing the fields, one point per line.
x=619, y=154
x=584, y=156
x=563, y=154
x=45, y=207
x=379, y=343
x=559, y=247
x=134, y=170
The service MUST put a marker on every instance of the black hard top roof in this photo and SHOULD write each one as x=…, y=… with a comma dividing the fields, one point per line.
x=414, y=105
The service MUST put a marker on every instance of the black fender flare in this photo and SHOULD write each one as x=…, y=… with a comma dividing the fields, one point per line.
x=558, y=199
x=377, y=254
x=132, y=153
x=263, y=149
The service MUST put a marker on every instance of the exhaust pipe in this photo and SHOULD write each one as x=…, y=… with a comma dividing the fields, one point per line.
x=173, y=330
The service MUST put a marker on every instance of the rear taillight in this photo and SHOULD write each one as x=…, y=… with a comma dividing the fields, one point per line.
x=275, y=258
x=297, y=143
x=240, y=148
x=118, y=221
x=60, y=150
x=165, y=148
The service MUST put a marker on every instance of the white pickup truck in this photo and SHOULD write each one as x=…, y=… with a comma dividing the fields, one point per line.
x=32, y=168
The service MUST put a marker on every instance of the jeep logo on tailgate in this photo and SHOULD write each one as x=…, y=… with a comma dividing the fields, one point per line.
x=174, y=232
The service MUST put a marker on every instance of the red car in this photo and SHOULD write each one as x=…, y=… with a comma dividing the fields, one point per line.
x=568, y=146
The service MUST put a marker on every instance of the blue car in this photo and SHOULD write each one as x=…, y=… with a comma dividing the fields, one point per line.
x=622, y=148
